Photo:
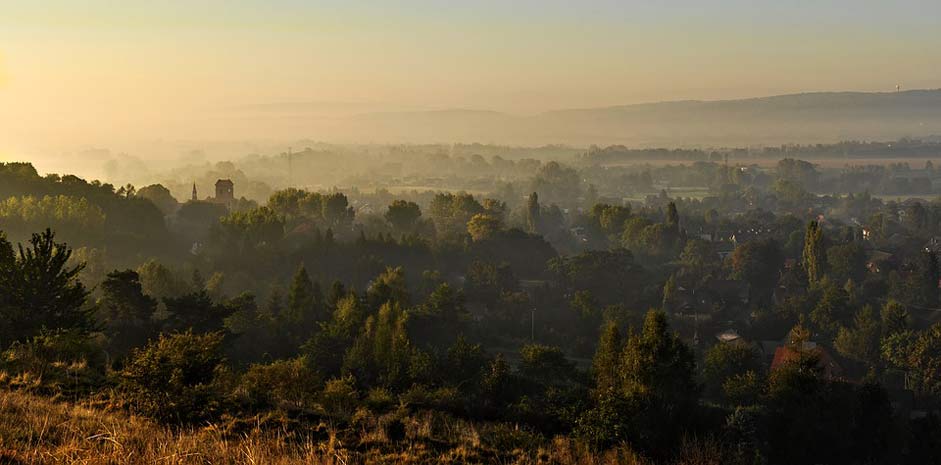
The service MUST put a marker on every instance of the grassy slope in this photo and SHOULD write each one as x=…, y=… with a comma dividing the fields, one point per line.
x=36, y=429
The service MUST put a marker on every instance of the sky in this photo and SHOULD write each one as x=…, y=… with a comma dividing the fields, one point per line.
x=89, y=72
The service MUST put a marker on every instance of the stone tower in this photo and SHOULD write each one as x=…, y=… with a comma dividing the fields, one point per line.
x=225, y=191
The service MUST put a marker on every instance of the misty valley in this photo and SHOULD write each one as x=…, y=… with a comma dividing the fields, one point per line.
x=561, y=304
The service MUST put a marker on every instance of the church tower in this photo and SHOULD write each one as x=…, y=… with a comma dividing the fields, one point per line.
x=194, y=192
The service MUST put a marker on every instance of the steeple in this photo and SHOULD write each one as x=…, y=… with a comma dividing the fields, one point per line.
x=194, y=193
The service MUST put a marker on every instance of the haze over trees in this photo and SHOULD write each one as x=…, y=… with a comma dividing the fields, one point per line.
x=763, y=319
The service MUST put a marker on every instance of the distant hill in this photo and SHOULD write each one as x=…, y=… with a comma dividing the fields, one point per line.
x=805, y=118
x=820, y=117
x=797, y=118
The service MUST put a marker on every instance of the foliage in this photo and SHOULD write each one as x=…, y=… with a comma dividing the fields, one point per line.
x=177, y=378
x=125, y=311
x=39, y=290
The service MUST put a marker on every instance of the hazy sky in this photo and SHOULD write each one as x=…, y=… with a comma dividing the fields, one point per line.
x=86, y=71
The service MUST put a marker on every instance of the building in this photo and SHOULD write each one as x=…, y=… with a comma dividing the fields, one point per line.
x=225, y=191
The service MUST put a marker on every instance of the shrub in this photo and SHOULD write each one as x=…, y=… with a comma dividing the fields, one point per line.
x=291, y=382
x=176, y=378
x=57, y=362
x=339, y=396
x=379, y=399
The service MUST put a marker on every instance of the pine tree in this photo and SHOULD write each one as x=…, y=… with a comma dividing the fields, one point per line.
x=39, y=290
x=300, y=316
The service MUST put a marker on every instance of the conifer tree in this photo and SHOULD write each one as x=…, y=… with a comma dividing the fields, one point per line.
x=301, y=315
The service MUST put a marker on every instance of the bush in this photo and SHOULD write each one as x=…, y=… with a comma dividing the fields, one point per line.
x=339, y=397
x=379, y=399
x=284, y=382
x=58, y=362
x=178, y=378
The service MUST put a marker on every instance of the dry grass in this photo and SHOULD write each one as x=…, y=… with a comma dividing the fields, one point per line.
x=38, y=430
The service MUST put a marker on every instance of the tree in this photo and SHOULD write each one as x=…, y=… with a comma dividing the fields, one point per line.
x=438, y=321
x=698, y=258
x=798, y=171
x=159, y=282
x=847, y=261
x=922, y=282
x=323, y=350
x=545, y=364
x=482, y=227
x=557, y=183
x=655, y=392
x=160, y=196
x=657, y=365
x=727, y=361
x=243, y=230
x=196, y=311
x=611, y=218
x=390, y=286
x=759, y=263
x=669, y=294
x=610, y=276
x=532, y=213
x=606, y=363
x=451, y=212
x=832, y=308
x=814, y=260
x=403, y=216
x=382, y=352
x=304, y=309
x=125, y=310
x=861, y=342
x=336, y=211
x=673, y=218
x=486, y=282
x=920, y=355
x=895, y=318
x=40, y=290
